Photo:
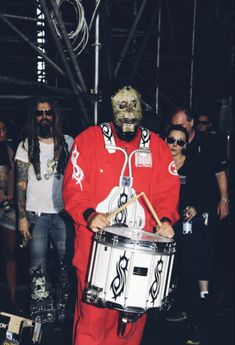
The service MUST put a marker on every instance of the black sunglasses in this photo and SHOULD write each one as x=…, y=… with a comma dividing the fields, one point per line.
x=204, y=123
x=171, y=140
x=44, y=112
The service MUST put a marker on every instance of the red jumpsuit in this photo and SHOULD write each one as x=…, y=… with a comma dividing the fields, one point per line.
x=93, y=176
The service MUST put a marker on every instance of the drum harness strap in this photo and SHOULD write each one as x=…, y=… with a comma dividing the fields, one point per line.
x=145, y=158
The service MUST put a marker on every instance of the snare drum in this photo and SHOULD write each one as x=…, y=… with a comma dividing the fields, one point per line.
x=130, y=270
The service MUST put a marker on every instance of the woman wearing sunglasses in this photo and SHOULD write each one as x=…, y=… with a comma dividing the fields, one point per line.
x=191, y=235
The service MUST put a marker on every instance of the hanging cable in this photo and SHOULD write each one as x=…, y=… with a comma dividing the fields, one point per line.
x=80, y=35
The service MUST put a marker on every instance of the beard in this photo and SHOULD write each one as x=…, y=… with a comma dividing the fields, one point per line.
x=44, y=129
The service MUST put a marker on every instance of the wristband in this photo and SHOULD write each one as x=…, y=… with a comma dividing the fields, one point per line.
x=166, y=219
x=224, y=199
x=88, y=212
x=90, y=218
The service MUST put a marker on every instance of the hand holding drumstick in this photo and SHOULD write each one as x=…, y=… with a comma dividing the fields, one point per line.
x=100, y=220
x=165, y=230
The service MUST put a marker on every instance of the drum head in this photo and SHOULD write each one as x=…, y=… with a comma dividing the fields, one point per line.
x=136, y=234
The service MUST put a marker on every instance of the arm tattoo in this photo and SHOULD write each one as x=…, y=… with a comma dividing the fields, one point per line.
x=21, y=186
x=4, y=171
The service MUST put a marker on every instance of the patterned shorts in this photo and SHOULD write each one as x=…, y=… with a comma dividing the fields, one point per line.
x=8, y=219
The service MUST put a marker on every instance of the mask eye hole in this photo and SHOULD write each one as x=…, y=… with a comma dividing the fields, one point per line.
x=122, y=105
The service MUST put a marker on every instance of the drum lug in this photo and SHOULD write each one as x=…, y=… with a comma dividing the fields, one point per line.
x=115, y=240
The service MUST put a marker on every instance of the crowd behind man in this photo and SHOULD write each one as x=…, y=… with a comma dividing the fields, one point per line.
x=92, y=178
x=8, y=226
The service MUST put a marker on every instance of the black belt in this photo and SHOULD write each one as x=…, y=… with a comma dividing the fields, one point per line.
x=39, y=214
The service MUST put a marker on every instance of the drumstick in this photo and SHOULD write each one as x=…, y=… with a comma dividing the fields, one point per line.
x=152, y=210
x=130, y=201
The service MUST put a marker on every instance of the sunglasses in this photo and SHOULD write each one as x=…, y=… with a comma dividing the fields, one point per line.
x=171, y=140
x=44, y=112
x=204, y=123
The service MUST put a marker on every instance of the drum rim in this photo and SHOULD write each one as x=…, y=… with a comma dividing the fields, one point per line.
x=156, y=238
x=142, y=246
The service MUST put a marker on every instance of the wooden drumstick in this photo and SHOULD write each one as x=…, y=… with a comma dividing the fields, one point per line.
x=155, y=216
x=130, y=201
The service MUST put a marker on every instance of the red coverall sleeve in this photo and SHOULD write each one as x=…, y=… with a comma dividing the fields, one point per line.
x=166, y=186
x=77, y=194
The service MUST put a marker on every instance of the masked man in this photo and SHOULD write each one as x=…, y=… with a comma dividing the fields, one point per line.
x=109, y=164
x=40, y=161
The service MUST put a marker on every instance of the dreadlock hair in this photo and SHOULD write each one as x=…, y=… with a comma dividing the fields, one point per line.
x=30, y=135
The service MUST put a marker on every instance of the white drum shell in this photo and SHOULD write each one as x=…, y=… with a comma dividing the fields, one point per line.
x=130, y=276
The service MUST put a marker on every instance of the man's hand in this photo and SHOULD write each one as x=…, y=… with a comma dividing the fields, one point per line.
x=165, y=230
x=24, y=228
x=98, y=222
x=222, y=209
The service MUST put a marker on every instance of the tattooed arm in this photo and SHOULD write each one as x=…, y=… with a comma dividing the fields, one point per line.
x=21, y=186
x=4, y=171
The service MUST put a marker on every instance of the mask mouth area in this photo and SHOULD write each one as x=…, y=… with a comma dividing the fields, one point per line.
x=130, y=121
x=126, y=132
x=129, y=127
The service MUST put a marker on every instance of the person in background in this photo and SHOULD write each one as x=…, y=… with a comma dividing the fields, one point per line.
x=41, y=159
x=209, y=136
x=203, y=123
x=192, y=240
x=7, y=212
x=108, y=165
x=213, y=160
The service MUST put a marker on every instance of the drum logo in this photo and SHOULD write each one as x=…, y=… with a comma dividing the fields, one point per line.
x=121, y=216
x=172, y=168
x=119, y=282
x=155, y=287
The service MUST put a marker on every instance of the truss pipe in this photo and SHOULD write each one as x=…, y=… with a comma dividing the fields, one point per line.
x=126, y=46
x=145, y=40
x=97, y=55
x=158, y=58
x=75, y=87
x=193, y=51
x=44, y=56
x=68, y=44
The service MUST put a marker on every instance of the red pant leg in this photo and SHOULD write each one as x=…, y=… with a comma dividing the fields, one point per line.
x=98, y=326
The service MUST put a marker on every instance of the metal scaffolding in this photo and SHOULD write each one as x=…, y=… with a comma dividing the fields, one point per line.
x=167, y=77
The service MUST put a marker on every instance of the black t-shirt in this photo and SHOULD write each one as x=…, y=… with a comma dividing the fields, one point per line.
x=194, y=189
x=210, y=147
x=210, y=150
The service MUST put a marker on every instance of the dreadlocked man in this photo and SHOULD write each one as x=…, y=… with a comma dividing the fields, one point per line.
x=40, y=160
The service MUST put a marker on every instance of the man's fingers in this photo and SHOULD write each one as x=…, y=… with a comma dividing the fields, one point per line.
x=99, y=222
